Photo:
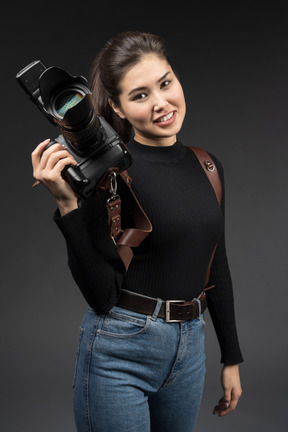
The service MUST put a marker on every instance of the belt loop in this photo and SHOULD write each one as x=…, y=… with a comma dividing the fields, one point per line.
x=157, y=309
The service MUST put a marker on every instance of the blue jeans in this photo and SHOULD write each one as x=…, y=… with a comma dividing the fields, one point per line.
x=137, y=373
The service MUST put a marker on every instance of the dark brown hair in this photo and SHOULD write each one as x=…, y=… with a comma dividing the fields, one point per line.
x=110, y=66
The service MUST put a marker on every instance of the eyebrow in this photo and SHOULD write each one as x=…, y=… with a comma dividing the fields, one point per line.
x=143, y=88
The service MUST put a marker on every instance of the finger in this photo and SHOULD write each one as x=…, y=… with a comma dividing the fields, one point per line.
x=56, y=156
x=227, y=395
x=40, y=147
x=224, y=401
x=40, y=156
x=36, y=154
x=63, y=163
x=53, y=175
x=234, y=400
x=49, y=159
x=223, y=408
x=46, y=154
x=225, y=412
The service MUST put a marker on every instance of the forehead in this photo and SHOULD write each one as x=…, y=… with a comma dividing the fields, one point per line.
x=145, y=73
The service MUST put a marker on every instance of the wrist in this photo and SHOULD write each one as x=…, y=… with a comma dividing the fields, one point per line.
x=236, y=365
x=66, y=207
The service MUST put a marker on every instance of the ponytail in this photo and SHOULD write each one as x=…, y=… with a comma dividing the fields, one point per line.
x=101, y=102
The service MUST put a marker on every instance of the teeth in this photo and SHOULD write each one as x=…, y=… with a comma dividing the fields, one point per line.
x=165, y=118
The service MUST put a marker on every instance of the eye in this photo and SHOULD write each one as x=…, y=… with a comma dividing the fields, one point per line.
x=165, y=83
x=139, y=96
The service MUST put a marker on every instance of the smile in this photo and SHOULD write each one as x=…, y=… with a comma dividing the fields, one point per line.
x=165, y=118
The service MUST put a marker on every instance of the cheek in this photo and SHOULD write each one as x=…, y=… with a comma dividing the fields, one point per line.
x=139, y=114
x=180, y=99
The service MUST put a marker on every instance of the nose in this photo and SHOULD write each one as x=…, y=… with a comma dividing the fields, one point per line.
x=159, y=102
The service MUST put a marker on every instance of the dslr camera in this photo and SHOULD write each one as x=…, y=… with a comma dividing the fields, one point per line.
x=67, y=102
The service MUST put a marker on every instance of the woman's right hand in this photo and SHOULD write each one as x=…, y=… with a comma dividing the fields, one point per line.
x=47, y=168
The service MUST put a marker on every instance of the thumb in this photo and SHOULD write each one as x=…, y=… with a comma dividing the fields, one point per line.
x=226, y=398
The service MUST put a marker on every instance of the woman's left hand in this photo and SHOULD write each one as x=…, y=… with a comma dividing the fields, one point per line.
x=230, y=379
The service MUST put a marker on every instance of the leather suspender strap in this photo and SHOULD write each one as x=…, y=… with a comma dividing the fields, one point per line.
x=210, y=170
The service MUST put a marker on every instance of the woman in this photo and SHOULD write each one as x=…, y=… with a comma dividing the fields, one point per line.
x=134, y=370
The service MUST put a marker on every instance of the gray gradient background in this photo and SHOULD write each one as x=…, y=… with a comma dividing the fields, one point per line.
x=233, y=66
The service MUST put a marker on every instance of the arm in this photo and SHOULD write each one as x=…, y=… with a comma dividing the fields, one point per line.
x=221, y=299
x=221, y=308
x=92, y=258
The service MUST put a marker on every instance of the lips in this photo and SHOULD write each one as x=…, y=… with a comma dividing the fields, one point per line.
x=165, y=118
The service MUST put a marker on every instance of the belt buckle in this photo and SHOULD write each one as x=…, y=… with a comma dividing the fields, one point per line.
x=167, y=317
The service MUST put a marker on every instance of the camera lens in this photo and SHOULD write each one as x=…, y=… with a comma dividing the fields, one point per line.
x=67, y=100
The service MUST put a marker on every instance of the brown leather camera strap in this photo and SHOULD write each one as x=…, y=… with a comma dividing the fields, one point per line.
x=211, y=171
x=129, y=238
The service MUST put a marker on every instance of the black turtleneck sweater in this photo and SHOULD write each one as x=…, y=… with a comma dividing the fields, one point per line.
x=171, y=263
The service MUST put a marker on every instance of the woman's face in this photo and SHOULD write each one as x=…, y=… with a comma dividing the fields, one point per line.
x=152, y=100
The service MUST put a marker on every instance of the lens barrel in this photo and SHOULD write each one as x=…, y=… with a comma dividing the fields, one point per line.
x=68, y=101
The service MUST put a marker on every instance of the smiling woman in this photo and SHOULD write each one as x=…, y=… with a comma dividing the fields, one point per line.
x=156, y=107
x=141, y=359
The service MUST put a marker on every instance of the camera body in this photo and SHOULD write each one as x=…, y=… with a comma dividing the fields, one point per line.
x=67, y=102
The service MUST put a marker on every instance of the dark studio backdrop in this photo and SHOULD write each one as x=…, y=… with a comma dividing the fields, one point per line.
x=233, y=66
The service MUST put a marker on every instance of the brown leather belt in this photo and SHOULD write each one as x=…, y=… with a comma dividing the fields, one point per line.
x=170, y=310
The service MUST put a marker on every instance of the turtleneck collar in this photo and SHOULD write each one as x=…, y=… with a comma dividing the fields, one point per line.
x=166, y=154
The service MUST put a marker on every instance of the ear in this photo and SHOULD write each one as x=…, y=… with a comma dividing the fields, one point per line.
x=116, y=109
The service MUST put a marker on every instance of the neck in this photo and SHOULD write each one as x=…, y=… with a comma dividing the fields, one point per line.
x=156, y=142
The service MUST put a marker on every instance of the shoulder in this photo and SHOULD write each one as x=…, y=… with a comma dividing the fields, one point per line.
x=219, y=166
x=213, y=157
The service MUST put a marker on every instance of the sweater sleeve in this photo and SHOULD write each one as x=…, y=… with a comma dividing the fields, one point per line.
x=92, y=256
x=220, y=299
